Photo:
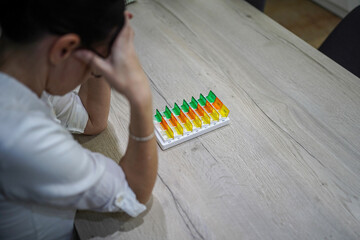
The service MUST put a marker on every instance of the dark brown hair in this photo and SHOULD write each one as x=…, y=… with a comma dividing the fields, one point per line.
x=25, y=21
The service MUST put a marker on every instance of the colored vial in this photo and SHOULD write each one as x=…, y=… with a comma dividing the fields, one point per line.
x=208, y=108
x=218, y=105
x=159, y=118
x=196, y=120
x=199, y=110
x=168, y=114
x=179, y=113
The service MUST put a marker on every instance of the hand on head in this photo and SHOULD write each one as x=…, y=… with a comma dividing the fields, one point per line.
x=122, y=68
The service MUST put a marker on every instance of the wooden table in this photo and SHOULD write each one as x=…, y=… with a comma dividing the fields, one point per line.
x=287, y=166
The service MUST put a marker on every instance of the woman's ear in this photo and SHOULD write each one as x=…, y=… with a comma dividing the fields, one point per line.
x=63, y=47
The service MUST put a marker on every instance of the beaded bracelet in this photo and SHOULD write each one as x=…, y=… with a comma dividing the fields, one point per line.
x=142, y=139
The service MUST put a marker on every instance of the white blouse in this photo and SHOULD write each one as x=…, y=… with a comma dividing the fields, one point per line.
x=45, y=175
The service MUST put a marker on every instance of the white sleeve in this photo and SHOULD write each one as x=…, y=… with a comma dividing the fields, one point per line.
x=44, y=164
x=70, y=111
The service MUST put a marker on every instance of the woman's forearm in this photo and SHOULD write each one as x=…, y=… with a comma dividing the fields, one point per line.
x=140, y=160
x=95, y=96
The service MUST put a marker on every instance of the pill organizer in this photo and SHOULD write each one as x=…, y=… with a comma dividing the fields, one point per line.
x=192, y=119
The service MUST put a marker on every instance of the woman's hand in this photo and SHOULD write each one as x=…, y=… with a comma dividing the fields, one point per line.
x=122, y=68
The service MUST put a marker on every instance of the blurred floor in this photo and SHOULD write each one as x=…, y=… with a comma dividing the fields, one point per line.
x=304, y=18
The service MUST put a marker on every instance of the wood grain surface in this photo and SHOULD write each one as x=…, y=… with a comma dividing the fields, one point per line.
x=287, y=166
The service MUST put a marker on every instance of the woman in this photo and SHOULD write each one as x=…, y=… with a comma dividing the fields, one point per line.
x=48, y=48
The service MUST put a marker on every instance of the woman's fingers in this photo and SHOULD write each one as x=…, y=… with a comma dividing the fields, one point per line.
x=98, y=64
x=124, y=34
x=128, y=14
x=100, y=67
